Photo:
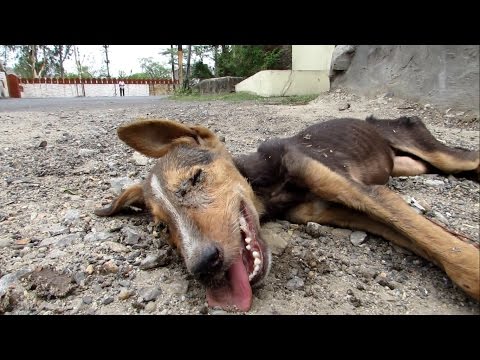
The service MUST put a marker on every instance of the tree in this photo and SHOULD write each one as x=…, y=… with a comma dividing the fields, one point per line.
x=60, y=53
x=186, y=84
x=153, y=69
x=246, y=60
x=33, y=61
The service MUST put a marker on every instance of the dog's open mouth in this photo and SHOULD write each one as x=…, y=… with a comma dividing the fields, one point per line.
x=247, y=270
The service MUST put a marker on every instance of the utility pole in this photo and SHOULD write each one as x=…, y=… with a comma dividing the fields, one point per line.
x=107, y=61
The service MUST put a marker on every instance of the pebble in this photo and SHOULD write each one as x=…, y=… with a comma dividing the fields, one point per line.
x=87, y=300
x=156, y=260
x=150, y=294
x=139, y=159
x=295, y=284
x=150, y=307
x=125, y=294
x=107, y=300
x=435, y=183
x=71, y=216
x=358, y=237
x=4, y=242
x=131, y=236
x=90, y=269
x=315, y=230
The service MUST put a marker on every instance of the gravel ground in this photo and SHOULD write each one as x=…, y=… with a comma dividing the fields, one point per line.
x=57, y=257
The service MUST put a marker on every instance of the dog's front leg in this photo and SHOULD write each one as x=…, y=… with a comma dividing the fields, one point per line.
x=459, y=259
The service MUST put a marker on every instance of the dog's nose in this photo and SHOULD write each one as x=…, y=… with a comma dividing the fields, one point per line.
x=209, y=261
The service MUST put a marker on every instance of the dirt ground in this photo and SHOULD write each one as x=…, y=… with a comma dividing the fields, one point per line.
x=57, y=257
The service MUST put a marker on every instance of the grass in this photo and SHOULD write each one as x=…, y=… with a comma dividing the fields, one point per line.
x=243, y=96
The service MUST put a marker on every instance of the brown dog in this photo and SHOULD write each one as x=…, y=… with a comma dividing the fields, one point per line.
x=331, y=173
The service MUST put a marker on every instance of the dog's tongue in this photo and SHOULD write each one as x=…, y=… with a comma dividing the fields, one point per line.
x=238, y=292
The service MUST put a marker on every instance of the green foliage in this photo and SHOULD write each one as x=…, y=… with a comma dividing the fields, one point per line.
x=244, y=96
x=246, y=60
x=201, y=71
x=86, y=73
x=153, y=69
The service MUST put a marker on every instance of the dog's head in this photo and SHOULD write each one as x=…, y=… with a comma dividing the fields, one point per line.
x=210, y=209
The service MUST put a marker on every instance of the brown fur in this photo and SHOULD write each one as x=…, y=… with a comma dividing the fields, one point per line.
x=331, y=173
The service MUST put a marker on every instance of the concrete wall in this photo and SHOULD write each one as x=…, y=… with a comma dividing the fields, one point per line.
x=312, y=57
x=446, y=76
x=285, y=83
x=3, y=85
x=68, y=90
x=309, y=74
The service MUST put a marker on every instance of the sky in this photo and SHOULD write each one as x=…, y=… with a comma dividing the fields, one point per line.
x=122, y=57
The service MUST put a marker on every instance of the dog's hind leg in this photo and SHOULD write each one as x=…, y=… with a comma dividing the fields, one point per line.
x=132, y=195
x=459, y=258
x=410, y=136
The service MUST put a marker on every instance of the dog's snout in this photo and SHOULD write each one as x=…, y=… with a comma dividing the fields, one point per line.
x=209, y=261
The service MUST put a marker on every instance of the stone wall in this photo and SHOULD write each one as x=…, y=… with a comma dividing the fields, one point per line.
x=446, y=76
x=219, y=85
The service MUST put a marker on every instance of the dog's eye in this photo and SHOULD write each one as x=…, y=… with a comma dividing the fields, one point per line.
x=197, y=177
x=190, y=183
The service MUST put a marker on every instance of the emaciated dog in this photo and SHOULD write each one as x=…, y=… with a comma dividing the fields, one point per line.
x=332, y=173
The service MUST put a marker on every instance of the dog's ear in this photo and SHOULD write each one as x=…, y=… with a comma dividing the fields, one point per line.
x=154, y=138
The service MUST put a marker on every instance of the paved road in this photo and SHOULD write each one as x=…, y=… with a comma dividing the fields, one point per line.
x=76, y=103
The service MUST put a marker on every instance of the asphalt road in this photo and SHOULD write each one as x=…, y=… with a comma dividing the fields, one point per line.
x=75, y=103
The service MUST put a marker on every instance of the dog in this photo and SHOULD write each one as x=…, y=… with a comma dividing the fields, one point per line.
x=333, y=173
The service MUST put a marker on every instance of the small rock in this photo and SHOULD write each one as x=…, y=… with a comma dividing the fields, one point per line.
x=71, y=217
x=139, y=159
x=435, y=183
x=4, y=242
x=341, y=233
x=58, y=229
x=62, y=240
x=55, y=254
x=119, y=184
x=99, y=236
x=344, y=107
x=150, y=307
x=179, y=287
x=295, y=284
x=152, y=261
x=383, y=280
x=389, y=95
x=125, y=294
x=131, y=237
x=315, y=230
x=79, y=277
x=87, y=152
x=358, y=237
x=440, y=217
x=110, y=267
x=87, y=300
x=150, y=294
x=107, y=300
x=116, y=247
x=90, y=269
x=43, y=144
x=270, y=233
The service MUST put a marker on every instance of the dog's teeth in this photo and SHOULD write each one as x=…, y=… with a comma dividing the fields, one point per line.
x=250, y=277
x=248, y=247
x=256, y=268
x=256, y=254
x=243, y=223
x=257, y=261
x=248, y=240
